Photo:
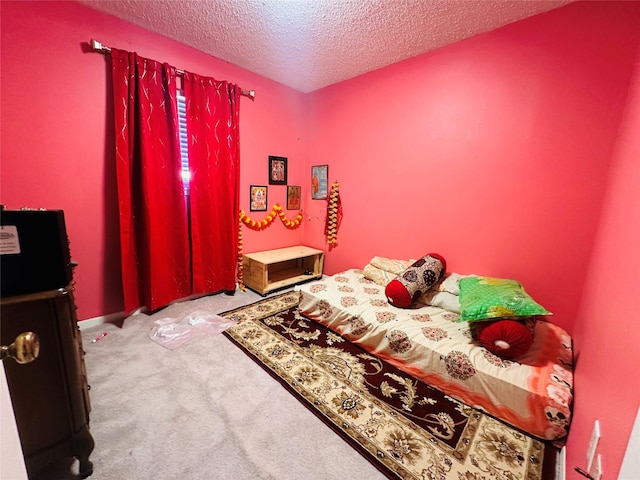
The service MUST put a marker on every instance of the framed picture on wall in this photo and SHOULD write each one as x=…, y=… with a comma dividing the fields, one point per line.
x=319, y=184
x=293, y=197
x=258, y=198
x=277, y=170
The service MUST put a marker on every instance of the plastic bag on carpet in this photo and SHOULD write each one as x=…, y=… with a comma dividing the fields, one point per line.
x=170, y=333
x=209, y=323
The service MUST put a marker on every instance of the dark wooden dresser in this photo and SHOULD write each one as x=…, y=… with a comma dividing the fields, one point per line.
x=50, y=395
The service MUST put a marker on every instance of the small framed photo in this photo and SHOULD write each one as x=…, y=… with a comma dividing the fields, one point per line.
x=258, y=198
x=277, y=170
x=319, y=184
x=293, y=197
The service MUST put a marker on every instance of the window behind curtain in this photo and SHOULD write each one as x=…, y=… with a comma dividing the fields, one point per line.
x=184, y=149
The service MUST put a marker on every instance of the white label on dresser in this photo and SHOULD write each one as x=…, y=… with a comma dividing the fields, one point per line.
x=9, y=241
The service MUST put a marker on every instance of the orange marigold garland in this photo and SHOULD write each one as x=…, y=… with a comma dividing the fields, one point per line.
x=334, y=216
x=271, y=216
x=240, y=262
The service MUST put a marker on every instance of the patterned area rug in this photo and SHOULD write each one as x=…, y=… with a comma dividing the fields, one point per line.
x=406, y=428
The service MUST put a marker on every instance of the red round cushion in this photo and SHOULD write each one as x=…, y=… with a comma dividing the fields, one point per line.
x=505, y=338
x=397, y=294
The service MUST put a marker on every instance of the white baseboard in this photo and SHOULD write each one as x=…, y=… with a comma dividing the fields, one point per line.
x=92, y=322
x=561, y=464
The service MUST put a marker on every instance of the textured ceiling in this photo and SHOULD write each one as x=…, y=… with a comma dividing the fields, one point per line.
x=309, y=44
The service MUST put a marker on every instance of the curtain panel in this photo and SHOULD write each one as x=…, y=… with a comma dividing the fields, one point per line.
x=212, y=109
x=170, y=250
x=154, y=237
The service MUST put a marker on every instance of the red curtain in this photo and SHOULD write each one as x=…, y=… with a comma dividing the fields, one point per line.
x=154, y=235
x=212, y=109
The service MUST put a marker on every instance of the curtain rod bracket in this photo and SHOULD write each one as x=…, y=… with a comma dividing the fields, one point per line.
x=98, y=47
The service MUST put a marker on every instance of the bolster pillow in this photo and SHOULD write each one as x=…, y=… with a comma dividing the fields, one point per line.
x=416, y=280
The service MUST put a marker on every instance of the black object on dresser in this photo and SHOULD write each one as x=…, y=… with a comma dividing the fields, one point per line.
x=50, y=395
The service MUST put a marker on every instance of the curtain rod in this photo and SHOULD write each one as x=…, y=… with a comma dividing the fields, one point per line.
x=100, y=48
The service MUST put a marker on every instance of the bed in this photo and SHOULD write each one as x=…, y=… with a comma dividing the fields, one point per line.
x=533, y=392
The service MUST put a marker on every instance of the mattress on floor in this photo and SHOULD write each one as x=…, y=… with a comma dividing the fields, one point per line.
x=532, y=392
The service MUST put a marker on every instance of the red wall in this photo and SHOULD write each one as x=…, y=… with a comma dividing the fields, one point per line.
x=57, y=132
x=607, y=331
x=492, y=151
x=513, y=153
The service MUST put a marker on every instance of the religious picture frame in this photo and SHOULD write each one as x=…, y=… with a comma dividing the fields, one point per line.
x=293, y=197
x=277, y=170
x=258, y=198
x=319, y=182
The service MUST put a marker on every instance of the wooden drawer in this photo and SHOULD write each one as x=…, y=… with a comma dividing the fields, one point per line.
x=50, y=395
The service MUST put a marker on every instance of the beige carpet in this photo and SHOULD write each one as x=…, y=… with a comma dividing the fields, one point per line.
x=202, y=411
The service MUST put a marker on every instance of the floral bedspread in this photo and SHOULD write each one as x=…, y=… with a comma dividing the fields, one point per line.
x=534, y=393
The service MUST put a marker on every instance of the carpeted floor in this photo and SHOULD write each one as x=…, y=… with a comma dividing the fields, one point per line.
x=202, y=411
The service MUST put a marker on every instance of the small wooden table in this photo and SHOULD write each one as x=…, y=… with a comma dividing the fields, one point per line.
x=273, y=269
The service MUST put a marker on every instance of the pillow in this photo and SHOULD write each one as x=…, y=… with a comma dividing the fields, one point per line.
x=377, y=275
x=445, y=300
x=449, y=283
x=390, y=265
x=505, y=338
x=403, y=290
x=486, y=298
